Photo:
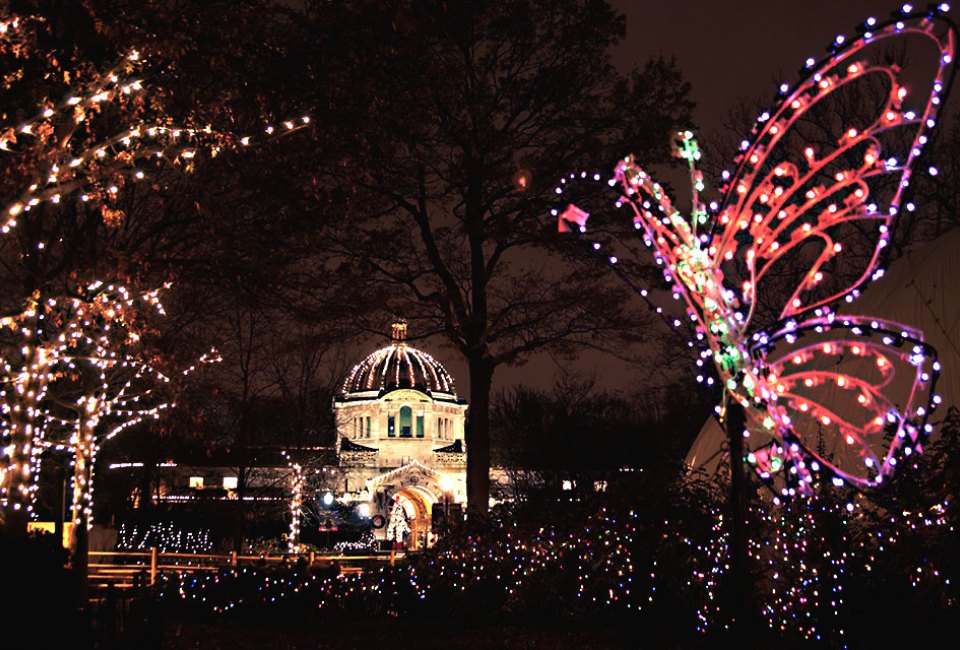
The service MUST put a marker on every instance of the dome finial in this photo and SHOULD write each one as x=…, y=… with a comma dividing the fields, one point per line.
x=398, y=331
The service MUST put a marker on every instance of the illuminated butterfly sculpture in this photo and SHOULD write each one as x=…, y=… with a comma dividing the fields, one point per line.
x=826, y=395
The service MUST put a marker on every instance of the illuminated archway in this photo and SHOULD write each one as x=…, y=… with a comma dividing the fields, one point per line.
x=417, y=503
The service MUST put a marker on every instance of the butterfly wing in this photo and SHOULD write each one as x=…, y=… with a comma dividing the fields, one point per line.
x=663, y=228
x=846, y=394
x=810, y=207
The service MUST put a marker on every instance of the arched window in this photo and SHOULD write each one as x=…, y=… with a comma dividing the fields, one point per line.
x=391, y=426
x=406, y=422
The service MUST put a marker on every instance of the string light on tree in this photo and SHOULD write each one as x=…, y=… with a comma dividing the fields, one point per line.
x=65, y=139
x=108, y=130
x=296, y=504
x=82, y=379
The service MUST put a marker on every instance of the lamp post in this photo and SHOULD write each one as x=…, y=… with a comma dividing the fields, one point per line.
x=446, y=487
x=328, y=524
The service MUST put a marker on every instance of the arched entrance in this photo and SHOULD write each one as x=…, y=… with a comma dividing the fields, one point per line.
x=417, y=503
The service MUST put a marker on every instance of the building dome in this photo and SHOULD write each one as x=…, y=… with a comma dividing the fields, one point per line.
x=398, y=366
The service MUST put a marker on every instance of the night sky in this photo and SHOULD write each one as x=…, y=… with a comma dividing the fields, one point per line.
x=737, y=49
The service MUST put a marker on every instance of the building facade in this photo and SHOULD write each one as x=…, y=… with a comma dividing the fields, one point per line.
x=400, y=441
x=399, y=455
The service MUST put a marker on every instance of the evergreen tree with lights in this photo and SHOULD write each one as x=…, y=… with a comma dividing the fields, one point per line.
x=397, y=527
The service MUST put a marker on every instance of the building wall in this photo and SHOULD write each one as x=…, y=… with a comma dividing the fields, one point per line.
x=367, y=423
x=403, y=466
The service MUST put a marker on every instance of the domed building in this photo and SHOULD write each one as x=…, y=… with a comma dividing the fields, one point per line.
x=400, y=440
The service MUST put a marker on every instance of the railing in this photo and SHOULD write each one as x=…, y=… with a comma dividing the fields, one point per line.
x=125, y=569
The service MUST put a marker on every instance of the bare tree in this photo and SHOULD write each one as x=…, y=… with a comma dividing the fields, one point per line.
x=459, y=122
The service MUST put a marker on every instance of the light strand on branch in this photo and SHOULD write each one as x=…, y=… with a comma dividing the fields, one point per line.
x=76, y=160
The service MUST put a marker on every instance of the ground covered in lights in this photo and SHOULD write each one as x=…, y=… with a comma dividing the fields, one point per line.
x=824, y=572
x=184, y=635
x=502, y=588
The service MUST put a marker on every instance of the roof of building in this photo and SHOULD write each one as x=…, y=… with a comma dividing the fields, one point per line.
x=395, y=367
x=455, y=448
x=199, y=455
x=348, y=445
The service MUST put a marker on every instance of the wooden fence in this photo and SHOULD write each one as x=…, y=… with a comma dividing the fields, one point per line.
x=124, y=569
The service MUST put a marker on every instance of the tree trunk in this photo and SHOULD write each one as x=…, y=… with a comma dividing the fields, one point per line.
x=85, y=454
x=81, y=556
x=150, y=472
x=60, y=504
x=241, y=527
x=18, y=480
x=478, y=437
x=82, y=473
x=739, y=586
